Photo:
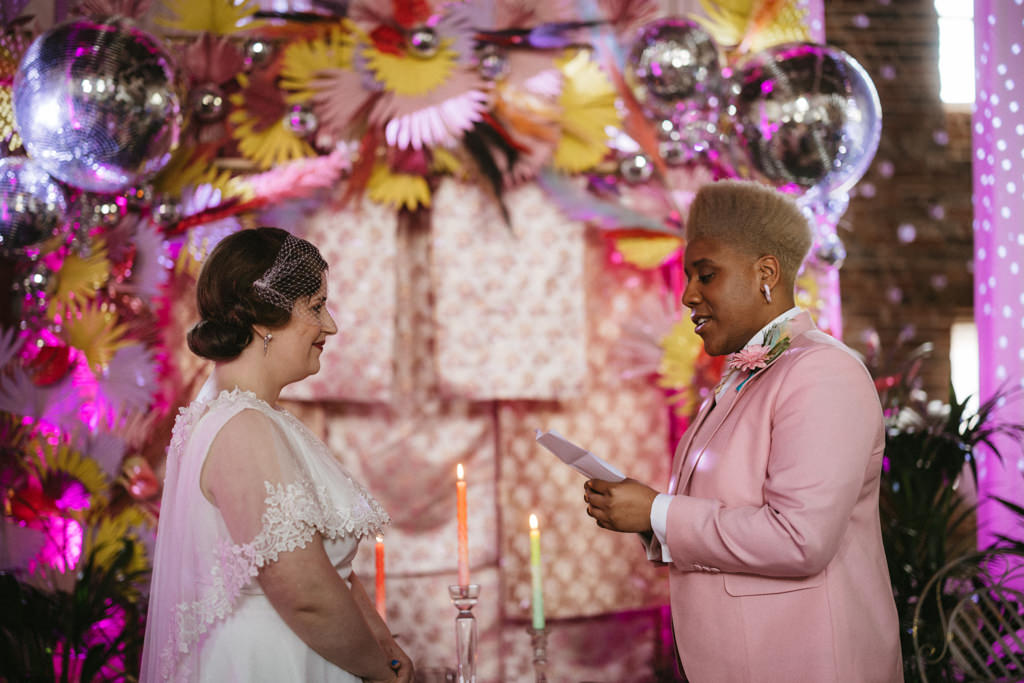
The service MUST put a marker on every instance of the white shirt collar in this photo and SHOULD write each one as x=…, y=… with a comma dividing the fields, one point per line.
x=759, y=337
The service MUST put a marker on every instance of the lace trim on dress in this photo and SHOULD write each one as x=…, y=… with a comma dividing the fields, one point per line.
x=293, y=515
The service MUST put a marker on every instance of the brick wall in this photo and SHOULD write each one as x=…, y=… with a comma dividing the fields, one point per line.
x=921, y=176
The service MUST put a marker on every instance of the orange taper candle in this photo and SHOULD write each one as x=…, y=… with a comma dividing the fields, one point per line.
x=460, y=501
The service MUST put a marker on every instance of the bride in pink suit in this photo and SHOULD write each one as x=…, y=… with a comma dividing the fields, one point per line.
x=252, y=576
x=770, y=523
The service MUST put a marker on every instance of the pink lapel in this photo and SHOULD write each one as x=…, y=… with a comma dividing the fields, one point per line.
x=707, y=428
x=678, y=458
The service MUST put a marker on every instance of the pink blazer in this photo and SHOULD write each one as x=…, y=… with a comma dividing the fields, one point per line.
x=778, y=572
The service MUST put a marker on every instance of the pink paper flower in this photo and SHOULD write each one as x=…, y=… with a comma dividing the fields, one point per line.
x=753, y=357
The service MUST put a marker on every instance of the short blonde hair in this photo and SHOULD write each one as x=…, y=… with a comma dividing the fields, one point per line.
x=754, y=219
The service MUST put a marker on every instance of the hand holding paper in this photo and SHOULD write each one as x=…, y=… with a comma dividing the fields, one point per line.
x=581, y=460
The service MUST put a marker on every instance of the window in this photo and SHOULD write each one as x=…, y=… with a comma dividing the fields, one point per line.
x=963, y=362
x=956, y=50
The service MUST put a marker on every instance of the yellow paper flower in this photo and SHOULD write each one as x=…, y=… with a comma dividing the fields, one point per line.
x=188, y=169
x=105, y=536
x=680, y=349
x=210, y=16
x=588, y=110
x=80, y=277
x=443, y=161
x=400, y=190
x=95, y=330
x=62, y=458
x=305, y=60
x=267, y=147
x=647, y=252
x=756, y=24
x=411, y=76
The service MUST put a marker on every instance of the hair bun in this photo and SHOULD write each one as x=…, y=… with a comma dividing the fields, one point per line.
x=217, y=340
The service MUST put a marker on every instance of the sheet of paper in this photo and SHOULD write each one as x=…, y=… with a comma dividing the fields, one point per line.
x=580, y=459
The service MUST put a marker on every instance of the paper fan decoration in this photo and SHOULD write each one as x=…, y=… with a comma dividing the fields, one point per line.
x=752, y=25
x=588, y=111
x=56, y=460
x=259, y=124
x=647, y=252
x=400, y=190
x=206, y=16
x=94, y=329
x=680, y=349
x=106, y=537
x=80, y=277
x=305, y=61
x=126, y=382
x=10, y=344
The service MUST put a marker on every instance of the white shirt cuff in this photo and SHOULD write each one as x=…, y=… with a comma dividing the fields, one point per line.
x=659, y=523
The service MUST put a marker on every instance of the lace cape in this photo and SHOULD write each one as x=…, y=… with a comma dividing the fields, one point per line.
x=294, y=513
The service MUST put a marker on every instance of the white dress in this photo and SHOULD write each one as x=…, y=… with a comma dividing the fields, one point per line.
x=208, y=619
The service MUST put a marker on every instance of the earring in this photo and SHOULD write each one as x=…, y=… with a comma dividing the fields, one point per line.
x=767, y=293
x=266, y=342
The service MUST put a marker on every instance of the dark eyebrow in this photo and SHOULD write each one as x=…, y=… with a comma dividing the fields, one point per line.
x=698, y=264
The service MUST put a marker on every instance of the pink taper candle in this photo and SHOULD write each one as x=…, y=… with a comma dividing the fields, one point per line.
x=460, y=500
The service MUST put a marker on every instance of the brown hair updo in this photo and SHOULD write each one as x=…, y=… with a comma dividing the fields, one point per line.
x=227, y=302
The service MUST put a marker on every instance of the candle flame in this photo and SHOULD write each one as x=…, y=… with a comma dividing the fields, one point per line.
x=380, y=539
x=533, y=521
x=459, y=472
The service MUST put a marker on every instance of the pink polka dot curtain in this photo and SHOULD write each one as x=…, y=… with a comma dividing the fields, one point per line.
x=998, y=122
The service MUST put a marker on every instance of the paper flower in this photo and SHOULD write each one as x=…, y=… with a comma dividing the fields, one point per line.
x=105, y=537
x=299, y=178
x=80, y=277
x=10, y=344
x=94, y=329
x=212, y=65
x=198, y=16
x=149, y=272
x=400, y=190
x=259, y=123
x=56, y=460
x=750, y=358
x=126, y=383
x=753, y=25
x=588, y=110
x=305, y=61
x=106, y=448
x=648, y=252
x=56, y=406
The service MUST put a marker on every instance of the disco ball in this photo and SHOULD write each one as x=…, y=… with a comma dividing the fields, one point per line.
x=673, y=66
x=96, y=104
x=32, y=204
x=808, y=116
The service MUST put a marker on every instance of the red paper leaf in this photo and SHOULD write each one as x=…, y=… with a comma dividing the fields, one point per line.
x=50, y=365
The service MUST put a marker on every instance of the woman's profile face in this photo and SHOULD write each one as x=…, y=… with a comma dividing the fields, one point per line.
x=723, y=295
x=297, y=346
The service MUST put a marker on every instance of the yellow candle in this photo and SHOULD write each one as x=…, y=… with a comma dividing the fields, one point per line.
x=380, y=595
x=535, y=575
x=460, y=501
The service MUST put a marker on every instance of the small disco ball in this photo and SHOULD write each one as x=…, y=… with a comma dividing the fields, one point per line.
x=808, y=116
x=673, y=66
x=96, y=104
x=32, y=204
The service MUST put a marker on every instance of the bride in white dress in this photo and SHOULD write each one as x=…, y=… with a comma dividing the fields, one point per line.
x=252, y=577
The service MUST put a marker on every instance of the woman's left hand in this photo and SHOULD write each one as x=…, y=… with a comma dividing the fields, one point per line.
x=625, y=506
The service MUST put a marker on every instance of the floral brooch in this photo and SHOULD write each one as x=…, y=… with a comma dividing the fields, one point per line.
x=756, y=357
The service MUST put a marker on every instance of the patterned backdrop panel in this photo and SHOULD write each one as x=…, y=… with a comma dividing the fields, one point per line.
x=588, y=570
x=360, y=247
x=407, y=460
x=509, y=298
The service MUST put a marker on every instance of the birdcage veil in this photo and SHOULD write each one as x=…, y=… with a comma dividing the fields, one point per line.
x=295, y=281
